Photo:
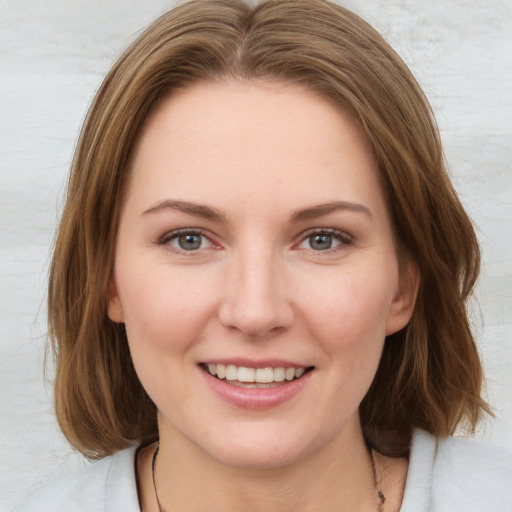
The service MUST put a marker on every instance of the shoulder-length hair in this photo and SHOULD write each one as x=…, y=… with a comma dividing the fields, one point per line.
x=430, y=374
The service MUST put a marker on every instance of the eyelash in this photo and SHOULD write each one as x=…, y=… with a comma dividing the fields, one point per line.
x=343, y=238
x=173, y=235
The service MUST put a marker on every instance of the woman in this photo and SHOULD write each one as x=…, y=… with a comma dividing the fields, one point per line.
x=257, y=297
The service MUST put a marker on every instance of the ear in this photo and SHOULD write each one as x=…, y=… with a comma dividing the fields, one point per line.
x=402, y=306
x=115, y=309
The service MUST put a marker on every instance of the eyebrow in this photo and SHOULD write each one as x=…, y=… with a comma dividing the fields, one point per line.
x=326, y=208
x=195, y=209
x=207, y=212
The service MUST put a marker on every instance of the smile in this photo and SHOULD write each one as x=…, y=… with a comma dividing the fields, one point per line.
x=254, y=377
x=256, y=388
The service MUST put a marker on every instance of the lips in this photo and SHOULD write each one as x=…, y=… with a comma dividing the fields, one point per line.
x=255, y=386
x=264, y=377
x=261, y=375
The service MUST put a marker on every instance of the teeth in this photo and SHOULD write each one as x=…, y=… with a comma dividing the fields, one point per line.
x=221, y=371
x=231, y=372
x=289, y=373
x=259, y=375
x=264, y=375
x=279, y=374
x=299, y=372
x=245, y=374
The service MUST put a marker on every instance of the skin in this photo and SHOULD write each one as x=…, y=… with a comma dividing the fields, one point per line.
x=262, y=157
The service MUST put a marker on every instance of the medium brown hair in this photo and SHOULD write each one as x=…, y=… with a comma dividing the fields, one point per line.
x=430, y=374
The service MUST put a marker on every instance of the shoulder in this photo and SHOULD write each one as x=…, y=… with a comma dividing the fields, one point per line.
x=467, y=471
x=108, y=484
x=458, y=474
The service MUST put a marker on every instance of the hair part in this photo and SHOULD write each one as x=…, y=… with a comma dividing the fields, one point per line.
x=430, y=375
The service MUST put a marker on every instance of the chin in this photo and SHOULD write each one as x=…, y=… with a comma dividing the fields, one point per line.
x=265, y=449
x=257, y=458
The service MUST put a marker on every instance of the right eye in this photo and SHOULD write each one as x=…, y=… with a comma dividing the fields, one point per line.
x=186, y=240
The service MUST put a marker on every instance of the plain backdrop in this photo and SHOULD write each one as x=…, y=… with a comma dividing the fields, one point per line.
x=53, y=55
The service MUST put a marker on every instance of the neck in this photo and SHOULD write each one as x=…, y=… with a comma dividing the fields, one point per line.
x=337, y=477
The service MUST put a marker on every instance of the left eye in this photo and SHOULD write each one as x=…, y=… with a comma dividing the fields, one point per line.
x=323, y=241
x=188, y=241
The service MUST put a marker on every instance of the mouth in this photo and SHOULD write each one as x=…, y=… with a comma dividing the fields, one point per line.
x=245, y=377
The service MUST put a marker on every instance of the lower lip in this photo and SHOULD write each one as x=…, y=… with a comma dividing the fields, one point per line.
x=257, y=399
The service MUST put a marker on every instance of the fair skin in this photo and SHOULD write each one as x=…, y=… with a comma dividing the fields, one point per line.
x=284, y=259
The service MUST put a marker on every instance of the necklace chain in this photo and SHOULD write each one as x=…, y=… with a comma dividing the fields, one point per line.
x=376, y=483
x=153, y=464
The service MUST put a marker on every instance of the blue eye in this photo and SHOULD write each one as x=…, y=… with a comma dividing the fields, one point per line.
x=190, y=242
x=320, y=242
x=325, y=240
x=184, y=240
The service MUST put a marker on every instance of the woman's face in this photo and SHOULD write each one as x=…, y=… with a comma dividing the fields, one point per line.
x=255, y=245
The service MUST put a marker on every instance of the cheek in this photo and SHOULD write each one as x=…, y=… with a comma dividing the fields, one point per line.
x=350, y=311
x=164, y=317
x=162, y=310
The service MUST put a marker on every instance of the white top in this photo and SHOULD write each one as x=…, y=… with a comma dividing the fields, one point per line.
x=447, y=475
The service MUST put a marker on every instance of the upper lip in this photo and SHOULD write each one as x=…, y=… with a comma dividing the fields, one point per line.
x=256, y=363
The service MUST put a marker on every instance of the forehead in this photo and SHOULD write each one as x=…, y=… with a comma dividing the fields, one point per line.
x=235, y=139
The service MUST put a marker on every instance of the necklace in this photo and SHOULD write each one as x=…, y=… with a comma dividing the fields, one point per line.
x=153, y=464
x=376, y=483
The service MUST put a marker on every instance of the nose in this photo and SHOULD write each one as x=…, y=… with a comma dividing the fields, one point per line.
x=255, y=300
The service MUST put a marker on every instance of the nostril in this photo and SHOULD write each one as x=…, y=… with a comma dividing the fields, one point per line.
x=256, y=321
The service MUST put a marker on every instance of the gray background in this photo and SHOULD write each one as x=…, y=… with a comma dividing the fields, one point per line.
x=53, y=55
